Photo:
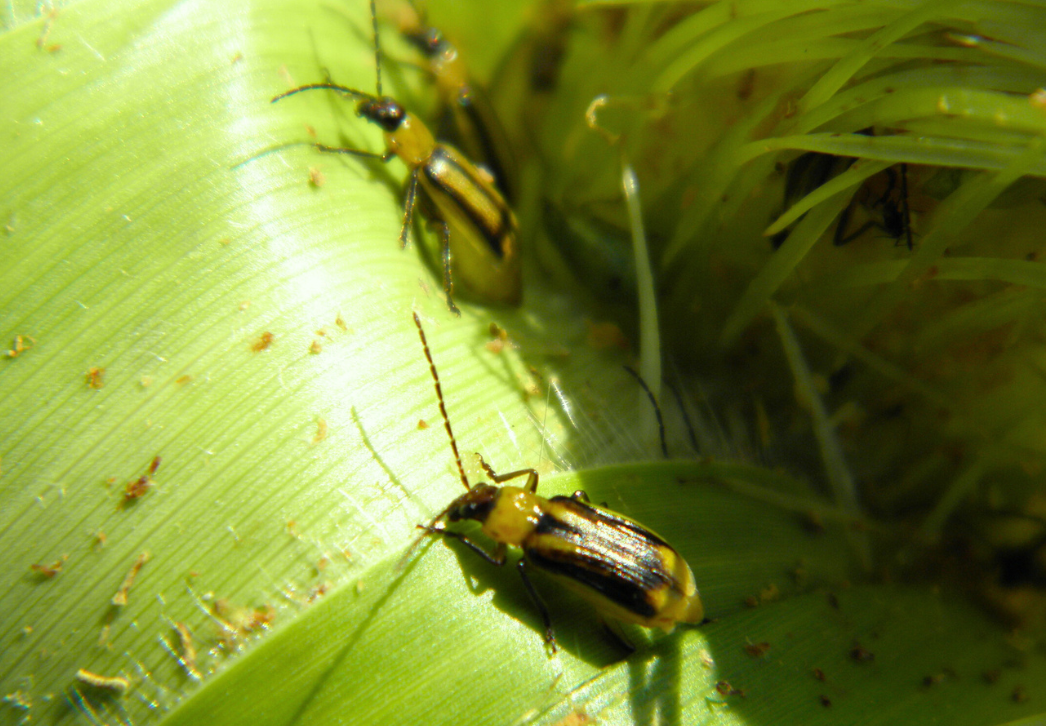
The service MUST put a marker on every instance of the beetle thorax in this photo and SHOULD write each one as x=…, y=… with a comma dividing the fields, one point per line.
x=514, y=516
x=411, y=141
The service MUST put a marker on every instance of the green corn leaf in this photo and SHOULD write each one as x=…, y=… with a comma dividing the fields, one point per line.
x=170, y=289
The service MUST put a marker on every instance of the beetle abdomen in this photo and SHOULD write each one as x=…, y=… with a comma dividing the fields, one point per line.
x=483, y=231
x=624, y=569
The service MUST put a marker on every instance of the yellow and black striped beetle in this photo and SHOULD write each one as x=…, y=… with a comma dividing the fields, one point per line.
x=469, y=117
x=888, y=211
x=478, y=230
x=628, y=573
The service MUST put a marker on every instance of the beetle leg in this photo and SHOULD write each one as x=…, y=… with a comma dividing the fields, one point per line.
x=354, y=152
x=582, y=496
x=550, y=636
x=841, y=237
x=408, y=207
x=498, y=558
x=448, y=280
x=532, y=475
x=532, y=478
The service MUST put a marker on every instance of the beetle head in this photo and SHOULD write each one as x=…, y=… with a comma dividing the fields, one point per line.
x=428, y=40
x=475, y=504
x=384, y=111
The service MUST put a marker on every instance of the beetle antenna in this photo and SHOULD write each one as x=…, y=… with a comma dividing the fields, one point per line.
x=544, y=429
x=686, y=416
x=442, y=406
x=331, y=86
x=273, y=150
x=657, y=409
x=377, y=48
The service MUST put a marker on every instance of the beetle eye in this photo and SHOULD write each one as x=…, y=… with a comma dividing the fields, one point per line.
x=477, y=509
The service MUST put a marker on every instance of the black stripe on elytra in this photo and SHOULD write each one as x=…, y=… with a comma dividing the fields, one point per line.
x=609, y=518
x=481, y=128
x=492, y=236
x=623, y=564
x=628, y=592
